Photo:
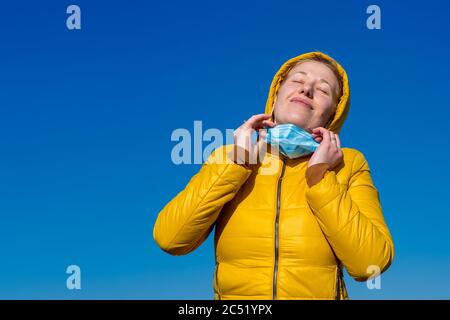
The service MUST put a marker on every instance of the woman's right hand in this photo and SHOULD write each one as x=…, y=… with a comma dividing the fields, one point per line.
x=245, y=151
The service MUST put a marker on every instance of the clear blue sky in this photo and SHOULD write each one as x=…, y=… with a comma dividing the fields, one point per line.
x=86, y=118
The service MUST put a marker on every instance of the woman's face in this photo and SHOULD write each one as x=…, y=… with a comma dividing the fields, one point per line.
x=308, y=96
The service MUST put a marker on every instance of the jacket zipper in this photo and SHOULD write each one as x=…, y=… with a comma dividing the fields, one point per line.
x=277, y=218
x=338, y=283
x=342, y=288
x=217, y=281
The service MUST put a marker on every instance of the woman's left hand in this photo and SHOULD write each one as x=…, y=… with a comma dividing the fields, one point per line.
x=329, y=150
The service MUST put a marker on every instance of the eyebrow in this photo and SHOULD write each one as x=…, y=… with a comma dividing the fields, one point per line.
x=320, y=80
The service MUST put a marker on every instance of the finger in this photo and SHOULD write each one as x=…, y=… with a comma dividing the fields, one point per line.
x=264, y=124
x=317, y=137
x=328, y=136
x=262, y=135
x=325, y=135
x=260, y=148
x=319, y=131
x=256, y=118
x=268, y=123
x=333, y=138
x=258, y=123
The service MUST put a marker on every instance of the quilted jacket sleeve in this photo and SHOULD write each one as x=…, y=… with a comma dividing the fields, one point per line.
x=352, y=220
x=186, y=221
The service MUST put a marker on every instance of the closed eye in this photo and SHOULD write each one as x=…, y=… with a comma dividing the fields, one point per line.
x=324, y=91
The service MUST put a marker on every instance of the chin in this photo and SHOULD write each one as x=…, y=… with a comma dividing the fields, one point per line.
x=297, y=121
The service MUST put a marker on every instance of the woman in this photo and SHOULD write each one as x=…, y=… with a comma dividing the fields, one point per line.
x=289, y=233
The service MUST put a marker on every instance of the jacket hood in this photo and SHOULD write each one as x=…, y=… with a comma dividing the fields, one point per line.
x=344, y=101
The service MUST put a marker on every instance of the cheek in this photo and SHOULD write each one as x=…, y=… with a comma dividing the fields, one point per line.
x=283, y=92
x=325, y=104
x=280, y=97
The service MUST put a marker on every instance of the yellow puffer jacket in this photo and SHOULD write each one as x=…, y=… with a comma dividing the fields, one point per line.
x=276, y=237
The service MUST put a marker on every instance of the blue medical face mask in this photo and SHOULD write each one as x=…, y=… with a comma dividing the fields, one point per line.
x=291, y=140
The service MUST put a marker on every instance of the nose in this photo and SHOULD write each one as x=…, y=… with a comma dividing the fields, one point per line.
x=306, y=90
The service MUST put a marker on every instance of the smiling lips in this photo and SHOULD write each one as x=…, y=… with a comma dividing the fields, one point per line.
x=302, y=102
